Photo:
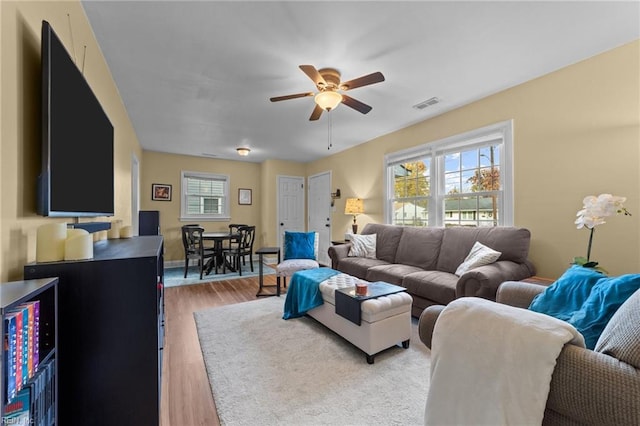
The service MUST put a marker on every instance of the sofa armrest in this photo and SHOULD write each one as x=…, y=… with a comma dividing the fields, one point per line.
x=593, y=388
x=338, y=252
x=586, y=387
x=518, y=293
x=427, y=323
x=484, y=281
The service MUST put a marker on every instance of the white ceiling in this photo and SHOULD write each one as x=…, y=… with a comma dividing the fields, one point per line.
x=196, y=77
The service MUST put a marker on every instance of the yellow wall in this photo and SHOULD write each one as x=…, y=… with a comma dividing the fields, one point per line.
x=166, y=169
x=576, y=133
x=20, y=130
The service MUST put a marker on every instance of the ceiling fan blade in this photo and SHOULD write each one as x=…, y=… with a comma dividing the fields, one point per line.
x=317, y=111
x=314, y=75
x=355, y=104
x=365, y=80
x=297, y=95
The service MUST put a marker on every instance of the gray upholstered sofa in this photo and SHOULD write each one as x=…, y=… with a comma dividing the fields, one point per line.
x=599, y=387
x=424, y=260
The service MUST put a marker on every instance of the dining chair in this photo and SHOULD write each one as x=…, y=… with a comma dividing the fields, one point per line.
x=194, y=248
x=233, y=229
x=241, y=247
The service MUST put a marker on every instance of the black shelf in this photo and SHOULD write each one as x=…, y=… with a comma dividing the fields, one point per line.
x=12, y=294
x=110, y=333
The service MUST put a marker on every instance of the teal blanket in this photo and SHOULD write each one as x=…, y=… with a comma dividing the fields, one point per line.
x=303, y=293
x=586, y=299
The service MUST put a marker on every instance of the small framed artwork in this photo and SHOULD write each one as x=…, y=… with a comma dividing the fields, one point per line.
x=244, y=196
x=160, y=192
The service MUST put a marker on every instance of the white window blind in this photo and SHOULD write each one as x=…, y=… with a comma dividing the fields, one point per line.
x=205, y=196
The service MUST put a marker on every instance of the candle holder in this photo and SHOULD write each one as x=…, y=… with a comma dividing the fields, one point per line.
x=361, y=289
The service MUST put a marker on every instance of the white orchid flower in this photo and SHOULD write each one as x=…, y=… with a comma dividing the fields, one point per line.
x=594, y=210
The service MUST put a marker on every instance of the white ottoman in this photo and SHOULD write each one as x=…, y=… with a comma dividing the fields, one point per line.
x=386, y=320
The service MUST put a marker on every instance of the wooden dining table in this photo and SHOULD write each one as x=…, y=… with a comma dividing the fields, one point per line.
x=218, y=237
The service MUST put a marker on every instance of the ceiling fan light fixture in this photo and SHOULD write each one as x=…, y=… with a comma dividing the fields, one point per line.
x=243, y=151
x=328, y=99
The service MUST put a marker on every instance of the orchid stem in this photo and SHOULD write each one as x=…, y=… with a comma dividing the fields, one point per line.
x=589, y=246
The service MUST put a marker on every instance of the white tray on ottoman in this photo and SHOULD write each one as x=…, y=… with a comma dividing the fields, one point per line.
x=386, y=320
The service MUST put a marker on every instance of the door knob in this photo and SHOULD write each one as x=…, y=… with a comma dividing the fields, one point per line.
x=281, y=224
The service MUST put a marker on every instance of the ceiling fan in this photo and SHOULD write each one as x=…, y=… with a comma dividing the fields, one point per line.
x=327, y=81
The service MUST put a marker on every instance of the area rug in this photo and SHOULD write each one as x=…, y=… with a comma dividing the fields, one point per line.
x=175, y=276
x=264, y=370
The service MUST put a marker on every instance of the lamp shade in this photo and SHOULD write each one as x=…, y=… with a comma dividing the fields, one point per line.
x=354, y=206
x=328, y=99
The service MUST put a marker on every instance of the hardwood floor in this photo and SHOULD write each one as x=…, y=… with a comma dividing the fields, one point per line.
x=186, y=395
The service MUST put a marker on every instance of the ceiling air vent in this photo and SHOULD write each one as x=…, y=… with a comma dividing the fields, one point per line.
x=427, y=103
x=206, y=154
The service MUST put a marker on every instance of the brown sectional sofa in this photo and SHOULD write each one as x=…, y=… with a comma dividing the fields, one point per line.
x=424, y=260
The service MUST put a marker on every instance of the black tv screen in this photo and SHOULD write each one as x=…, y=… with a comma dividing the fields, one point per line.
x=77, y=176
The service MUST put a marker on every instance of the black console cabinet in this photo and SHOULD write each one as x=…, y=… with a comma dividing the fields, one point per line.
x=109, y=333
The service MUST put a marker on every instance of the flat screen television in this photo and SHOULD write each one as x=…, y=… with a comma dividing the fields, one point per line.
x=77, y=177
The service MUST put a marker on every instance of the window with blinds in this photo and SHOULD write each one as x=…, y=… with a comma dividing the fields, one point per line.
x=205, y=196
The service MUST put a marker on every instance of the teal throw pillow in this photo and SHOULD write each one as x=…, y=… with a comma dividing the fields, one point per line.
x=299, y=245
x=586, y=299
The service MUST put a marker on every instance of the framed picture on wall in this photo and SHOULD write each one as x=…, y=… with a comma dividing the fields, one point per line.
x=244, y=196
x=160, y=192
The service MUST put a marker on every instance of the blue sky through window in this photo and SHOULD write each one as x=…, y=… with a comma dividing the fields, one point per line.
x=459, y=167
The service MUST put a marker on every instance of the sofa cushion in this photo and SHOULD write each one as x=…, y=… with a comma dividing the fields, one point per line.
x=420, y=247
x=621, y=337
x=390, y=273
x=358, y=266
x=457, y=241
x=363, y=246
x=387, y=239
x=433, y=285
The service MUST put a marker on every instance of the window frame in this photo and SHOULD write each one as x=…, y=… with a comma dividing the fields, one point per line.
x=225, y=215
x=437, y=151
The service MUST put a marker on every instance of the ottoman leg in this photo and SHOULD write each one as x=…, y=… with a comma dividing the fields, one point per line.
x=370, y=359
x=405, y=344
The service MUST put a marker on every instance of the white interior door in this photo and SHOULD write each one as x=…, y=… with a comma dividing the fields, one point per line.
x=319, y=190
x=290, y=205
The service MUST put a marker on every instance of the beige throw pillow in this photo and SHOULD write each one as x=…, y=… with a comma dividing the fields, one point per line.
x=363, y=246
x=478, y=256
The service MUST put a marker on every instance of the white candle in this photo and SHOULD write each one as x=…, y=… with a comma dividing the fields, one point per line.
x=72, y=232
x=50, y=242
x=114, y=232
x=78, y=247
x=126, y=232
